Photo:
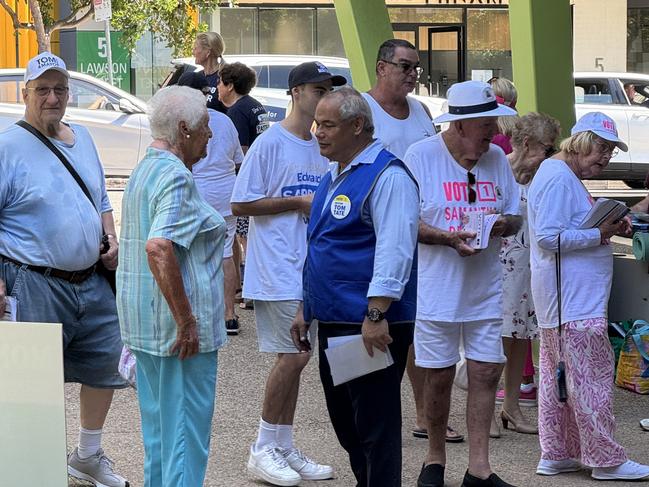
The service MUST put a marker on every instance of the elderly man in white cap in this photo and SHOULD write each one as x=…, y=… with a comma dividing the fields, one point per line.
x=463, y=179
x=54, y=222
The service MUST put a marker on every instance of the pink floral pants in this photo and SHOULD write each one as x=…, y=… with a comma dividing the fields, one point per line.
x=583, y=427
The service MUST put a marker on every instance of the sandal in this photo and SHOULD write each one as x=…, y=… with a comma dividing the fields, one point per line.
x=452, y=436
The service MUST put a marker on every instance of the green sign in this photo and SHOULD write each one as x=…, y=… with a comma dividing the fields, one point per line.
x=92, y=57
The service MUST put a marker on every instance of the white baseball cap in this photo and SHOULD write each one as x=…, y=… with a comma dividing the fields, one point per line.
x=42, y=63
x=599, y=124
x=472, y=99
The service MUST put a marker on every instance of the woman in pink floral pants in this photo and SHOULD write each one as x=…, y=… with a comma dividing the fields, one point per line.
x=578, y=432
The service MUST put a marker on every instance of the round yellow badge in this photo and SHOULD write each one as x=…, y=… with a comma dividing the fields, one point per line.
x=341, y=206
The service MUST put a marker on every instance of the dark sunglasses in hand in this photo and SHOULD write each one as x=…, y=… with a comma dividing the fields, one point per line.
x=471, y=190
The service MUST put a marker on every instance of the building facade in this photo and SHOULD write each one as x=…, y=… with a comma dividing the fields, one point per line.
x=456, y=39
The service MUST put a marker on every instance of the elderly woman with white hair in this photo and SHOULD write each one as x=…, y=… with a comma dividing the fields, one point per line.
x=576, y=264
x=170, y=291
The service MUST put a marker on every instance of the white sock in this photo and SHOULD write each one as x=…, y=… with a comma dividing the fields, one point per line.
x=267, y=434
x=89, y=442
x=285, y=435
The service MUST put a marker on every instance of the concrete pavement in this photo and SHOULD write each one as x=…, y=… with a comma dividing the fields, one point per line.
x=241, y=377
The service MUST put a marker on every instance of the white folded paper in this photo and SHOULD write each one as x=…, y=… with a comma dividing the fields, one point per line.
x=481, y=224
x=348, y=358
x=11, y=308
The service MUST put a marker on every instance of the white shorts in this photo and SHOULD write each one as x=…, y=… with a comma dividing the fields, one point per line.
x=231, y=222
x=274, y=320
x=437, y=343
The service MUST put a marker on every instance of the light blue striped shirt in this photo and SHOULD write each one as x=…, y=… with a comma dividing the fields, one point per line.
x=161, y=201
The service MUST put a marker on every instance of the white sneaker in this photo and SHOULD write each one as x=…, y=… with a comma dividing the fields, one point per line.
x=554, y=467
x=629, y=470
x=97, y=469
x=307, y=468
x=270, y=465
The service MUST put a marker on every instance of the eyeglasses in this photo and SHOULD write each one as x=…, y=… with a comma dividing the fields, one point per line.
x=549, y=151
x=44, y=91
x=604, y=147
x=472, y=194
x=406, y=68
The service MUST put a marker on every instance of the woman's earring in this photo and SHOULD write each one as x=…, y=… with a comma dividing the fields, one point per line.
x=187, y=136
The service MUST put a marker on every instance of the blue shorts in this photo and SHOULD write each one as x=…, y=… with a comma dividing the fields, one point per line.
x=91, y=338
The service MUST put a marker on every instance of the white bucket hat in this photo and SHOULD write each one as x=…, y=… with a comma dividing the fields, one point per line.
x=472, y=99
x=42, y=63
x=599, y=124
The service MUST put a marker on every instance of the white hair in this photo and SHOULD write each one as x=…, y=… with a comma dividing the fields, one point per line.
x=173, y=105
x=352, y=105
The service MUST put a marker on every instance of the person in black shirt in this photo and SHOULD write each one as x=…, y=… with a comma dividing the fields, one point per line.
x=248, y=115
x=208, y=52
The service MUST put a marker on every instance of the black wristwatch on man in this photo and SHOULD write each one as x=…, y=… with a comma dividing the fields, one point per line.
x=375, y=315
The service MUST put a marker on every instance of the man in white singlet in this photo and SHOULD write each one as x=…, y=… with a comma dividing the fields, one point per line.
x=400, y=121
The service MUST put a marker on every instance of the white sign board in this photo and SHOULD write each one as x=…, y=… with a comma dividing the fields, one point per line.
x=481, y=74
x=103, y=10
x=32, y=423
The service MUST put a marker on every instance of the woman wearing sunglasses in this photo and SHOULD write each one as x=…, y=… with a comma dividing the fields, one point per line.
x=577, y=433
x=533, y=138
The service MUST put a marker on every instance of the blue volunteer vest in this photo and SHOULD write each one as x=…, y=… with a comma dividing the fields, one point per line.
x=340, y=260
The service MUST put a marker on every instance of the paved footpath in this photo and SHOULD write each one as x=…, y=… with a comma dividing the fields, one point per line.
x=241, y=377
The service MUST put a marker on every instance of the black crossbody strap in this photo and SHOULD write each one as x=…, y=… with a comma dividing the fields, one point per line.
x=59, y=154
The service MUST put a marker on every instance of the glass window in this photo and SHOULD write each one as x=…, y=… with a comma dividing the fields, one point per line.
x=593, y=91
x=637, y=40
x=405, y=15
x=278, y=76
x=238, y=27
x=151, y=62
x=286, y=31
x=90, y=97
x=11, y=89
x=488, y=42
x=637, y=91
x=330, y=42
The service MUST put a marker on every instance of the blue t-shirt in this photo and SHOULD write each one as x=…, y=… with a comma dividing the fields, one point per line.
x=213, y=101
x=45, y=219
x=249, y=117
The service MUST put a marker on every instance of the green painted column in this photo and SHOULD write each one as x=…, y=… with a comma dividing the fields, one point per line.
x=364, y=25
x=541, y=43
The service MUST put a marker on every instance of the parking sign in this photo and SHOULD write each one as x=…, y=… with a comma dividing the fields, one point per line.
x=102, y=10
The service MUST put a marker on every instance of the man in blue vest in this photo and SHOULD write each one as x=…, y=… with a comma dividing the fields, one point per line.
x=363, y=232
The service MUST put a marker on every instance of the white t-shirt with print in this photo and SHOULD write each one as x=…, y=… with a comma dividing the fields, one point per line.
x=278, y=164
x=453, y=288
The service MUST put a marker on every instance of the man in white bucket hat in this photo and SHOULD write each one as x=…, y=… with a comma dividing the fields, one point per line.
x=459, y=172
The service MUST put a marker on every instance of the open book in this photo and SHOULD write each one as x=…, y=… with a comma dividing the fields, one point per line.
x=480, y=223
x=604, y=209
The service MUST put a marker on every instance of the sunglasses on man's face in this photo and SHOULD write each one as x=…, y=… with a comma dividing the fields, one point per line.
x=471, y=190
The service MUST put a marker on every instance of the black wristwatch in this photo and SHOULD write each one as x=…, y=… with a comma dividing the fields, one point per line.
x=375, y=315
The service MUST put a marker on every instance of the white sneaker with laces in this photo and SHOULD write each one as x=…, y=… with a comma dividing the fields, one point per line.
x=629, y=470
x=307, y=468
x=554, y=467
x=270, y=465
x=97, y=469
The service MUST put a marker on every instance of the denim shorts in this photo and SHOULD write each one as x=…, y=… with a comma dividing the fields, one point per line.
x=91, y=338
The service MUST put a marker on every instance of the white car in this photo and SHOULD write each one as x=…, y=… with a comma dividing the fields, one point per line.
x=116, y=120
x=272, y=78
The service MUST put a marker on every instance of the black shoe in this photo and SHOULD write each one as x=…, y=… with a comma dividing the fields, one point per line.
x=431, y=475
x=232, y=326
x=492, y=481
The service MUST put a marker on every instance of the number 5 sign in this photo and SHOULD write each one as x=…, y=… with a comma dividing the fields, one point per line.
x=102, y=10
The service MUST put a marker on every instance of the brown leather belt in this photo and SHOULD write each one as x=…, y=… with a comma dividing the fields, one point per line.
x=74, y=277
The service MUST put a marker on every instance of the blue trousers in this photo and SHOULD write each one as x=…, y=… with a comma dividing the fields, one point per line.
x=176, y=404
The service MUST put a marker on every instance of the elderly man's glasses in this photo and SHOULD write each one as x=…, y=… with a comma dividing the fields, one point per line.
x=407, y=68
x=43, y=91
x=470, y=187
x=607, y=148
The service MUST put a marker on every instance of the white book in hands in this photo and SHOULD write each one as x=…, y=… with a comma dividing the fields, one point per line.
x=481, y=224
x=604, y=209
x=11, y=308
x=348, y=358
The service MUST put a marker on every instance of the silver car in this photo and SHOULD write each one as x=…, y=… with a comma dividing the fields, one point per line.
x=116, y=120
